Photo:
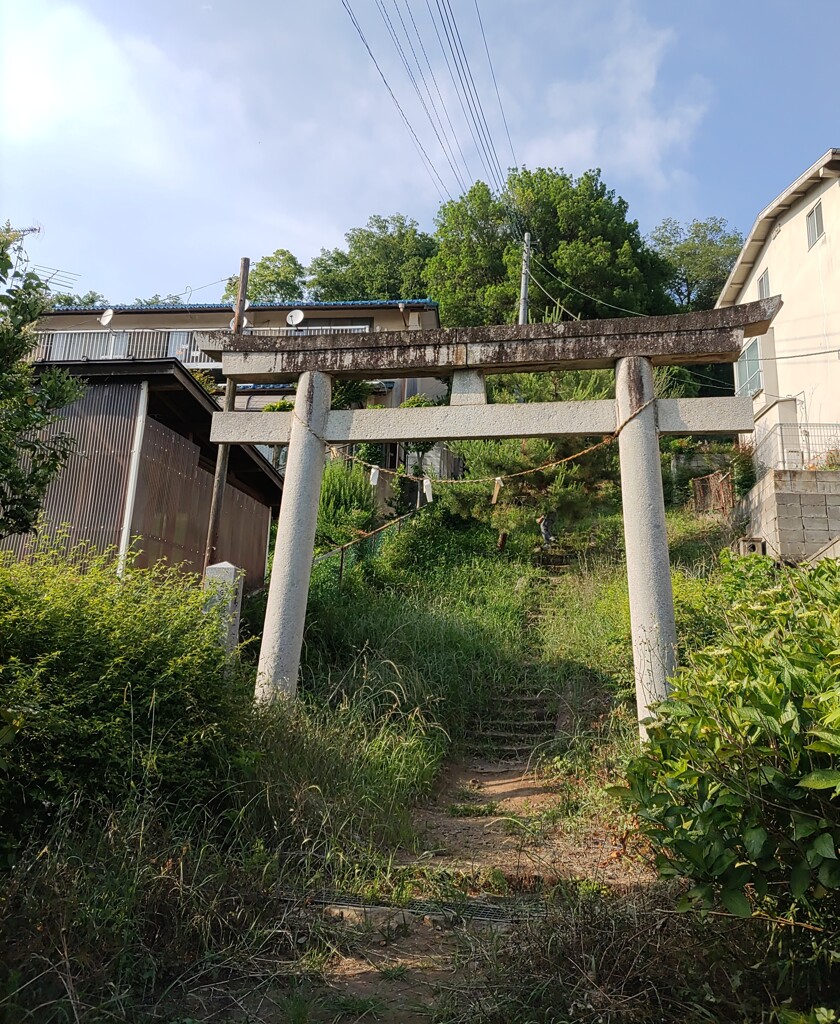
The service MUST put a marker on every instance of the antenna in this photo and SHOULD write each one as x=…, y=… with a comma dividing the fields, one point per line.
x=294, y=317
x=106, y=317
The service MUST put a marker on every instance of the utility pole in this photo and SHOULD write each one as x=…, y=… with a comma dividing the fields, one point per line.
x=220, y=476
x=523, y=286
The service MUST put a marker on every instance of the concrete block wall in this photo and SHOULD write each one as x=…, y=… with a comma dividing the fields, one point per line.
x=796, y=511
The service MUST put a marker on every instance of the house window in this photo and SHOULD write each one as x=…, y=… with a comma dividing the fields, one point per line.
x=764, y=285
x=814, y=220
x=748, y=370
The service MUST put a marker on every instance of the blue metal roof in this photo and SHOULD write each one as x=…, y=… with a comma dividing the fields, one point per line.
x=209, y=306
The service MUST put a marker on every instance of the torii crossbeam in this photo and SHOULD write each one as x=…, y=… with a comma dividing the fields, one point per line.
x=633, y=346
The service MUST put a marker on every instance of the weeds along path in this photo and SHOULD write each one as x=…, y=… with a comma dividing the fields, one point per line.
x=518, y=816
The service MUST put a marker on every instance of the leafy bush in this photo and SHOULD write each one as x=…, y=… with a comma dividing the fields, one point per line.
x=115, y=683
x=347, y=506
x=739, y=786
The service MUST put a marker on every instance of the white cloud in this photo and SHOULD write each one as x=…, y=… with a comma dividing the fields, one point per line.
x=91, y=96
x=615, y=113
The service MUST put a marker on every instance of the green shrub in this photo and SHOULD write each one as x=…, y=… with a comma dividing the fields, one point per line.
x=738, y=786
x=115, y=683
x=347, y=506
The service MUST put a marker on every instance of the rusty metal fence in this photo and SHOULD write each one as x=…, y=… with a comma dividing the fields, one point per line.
x=362, y=547
x=713, y=493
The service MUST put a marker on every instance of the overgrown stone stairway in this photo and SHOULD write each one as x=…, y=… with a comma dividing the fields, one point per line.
x=515, y=725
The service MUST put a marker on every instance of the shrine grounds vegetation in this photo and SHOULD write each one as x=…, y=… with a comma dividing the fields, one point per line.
x=152, y=820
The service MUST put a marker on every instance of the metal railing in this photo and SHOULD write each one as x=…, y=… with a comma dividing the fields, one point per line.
x=59, y=346
x=294, y=331
x=363, y=547
x=799, y=446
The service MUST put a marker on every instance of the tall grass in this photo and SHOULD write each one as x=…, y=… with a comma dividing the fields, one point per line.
x=164, y=815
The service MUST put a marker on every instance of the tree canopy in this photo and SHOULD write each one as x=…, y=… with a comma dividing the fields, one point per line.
x=279, y=277
x=700, y=256
x=384, y=260
x=588, y=255
x=90, y=298
x=29, y=404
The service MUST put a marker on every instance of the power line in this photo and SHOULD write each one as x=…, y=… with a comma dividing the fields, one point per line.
x=586, y=295
x=482, y=119
x=458, y=91
x=447, y=147
x=430, y=167
x=389, y=25
x=548, y=295
x=495, y=84
x=437, y=90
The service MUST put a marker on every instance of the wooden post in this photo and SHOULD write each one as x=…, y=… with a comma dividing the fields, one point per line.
x=223, y=452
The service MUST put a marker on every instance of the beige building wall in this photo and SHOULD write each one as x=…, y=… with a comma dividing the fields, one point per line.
x=795, y=386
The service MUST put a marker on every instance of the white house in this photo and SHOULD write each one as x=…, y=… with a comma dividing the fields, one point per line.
x=793, y=371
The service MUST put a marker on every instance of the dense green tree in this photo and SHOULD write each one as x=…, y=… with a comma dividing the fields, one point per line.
x=90, y=298
x=384, y=260
x=700, y=256
x=29, y=404
x=275, y=278
x=588, y=255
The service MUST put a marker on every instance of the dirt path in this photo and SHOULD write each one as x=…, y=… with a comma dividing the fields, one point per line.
x=501, y=827
x=490, y=816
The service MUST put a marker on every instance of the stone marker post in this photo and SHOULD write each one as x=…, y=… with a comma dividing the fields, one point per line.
x=288, y=590
x=224, y=583
x=648, y=565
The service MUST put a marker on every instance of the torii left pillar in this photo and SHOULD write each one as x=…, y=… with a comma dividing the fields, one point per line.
x=288, y=589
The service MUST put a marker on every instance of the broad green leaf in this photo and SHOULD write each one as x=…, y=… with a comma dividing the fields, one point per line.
x=829, y=874
x=736, y=902
x=822, y=778
x=800, y=879
x=754, y=840
x=825, y=846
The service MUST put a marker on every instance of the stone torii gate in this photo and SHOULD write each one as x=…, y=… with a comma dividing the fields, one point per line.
x=632, y=346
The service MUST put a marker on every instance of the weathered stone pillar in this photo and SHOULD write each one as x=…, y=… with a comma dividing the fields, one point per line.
x=289, y=587
x=648, y=566
x=223, y=583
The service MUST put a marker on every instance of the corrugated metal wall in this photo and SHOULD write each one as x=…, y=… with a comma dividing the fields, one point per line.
x=172, y=509
x=88, y=495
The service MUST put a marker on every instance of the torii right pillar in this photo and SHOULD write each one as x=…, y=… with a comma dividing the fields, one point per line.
x=645, y=539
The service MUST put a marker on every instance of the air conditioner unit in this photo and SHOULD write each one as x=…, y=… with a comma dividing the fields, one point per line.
x=752, y=546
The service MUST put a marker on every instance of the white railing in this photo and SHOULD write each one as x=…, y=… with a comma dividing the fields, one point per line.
x=63, y=346
x=286, y=331
x=799, y=446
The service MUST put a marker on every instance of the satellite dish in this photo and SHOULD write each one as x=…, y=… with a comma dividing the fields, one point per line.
x=245, y=322
x=246, y=306
x=106, y=317
x=294, y=317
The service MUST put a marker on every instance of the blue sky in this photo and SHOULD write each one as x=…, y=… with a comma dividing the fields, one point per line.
x=156, y=143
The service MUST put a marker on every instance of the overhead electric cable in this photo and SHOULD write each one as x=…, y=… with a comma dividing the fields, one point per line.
x=430, y=167
x=435, y=122
x=586, y=295
x=389, y=25
x=556, y=302
x=450, y=30
x=458, y=90
x=443, y=105
x=484, y=127
x=495, y=84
